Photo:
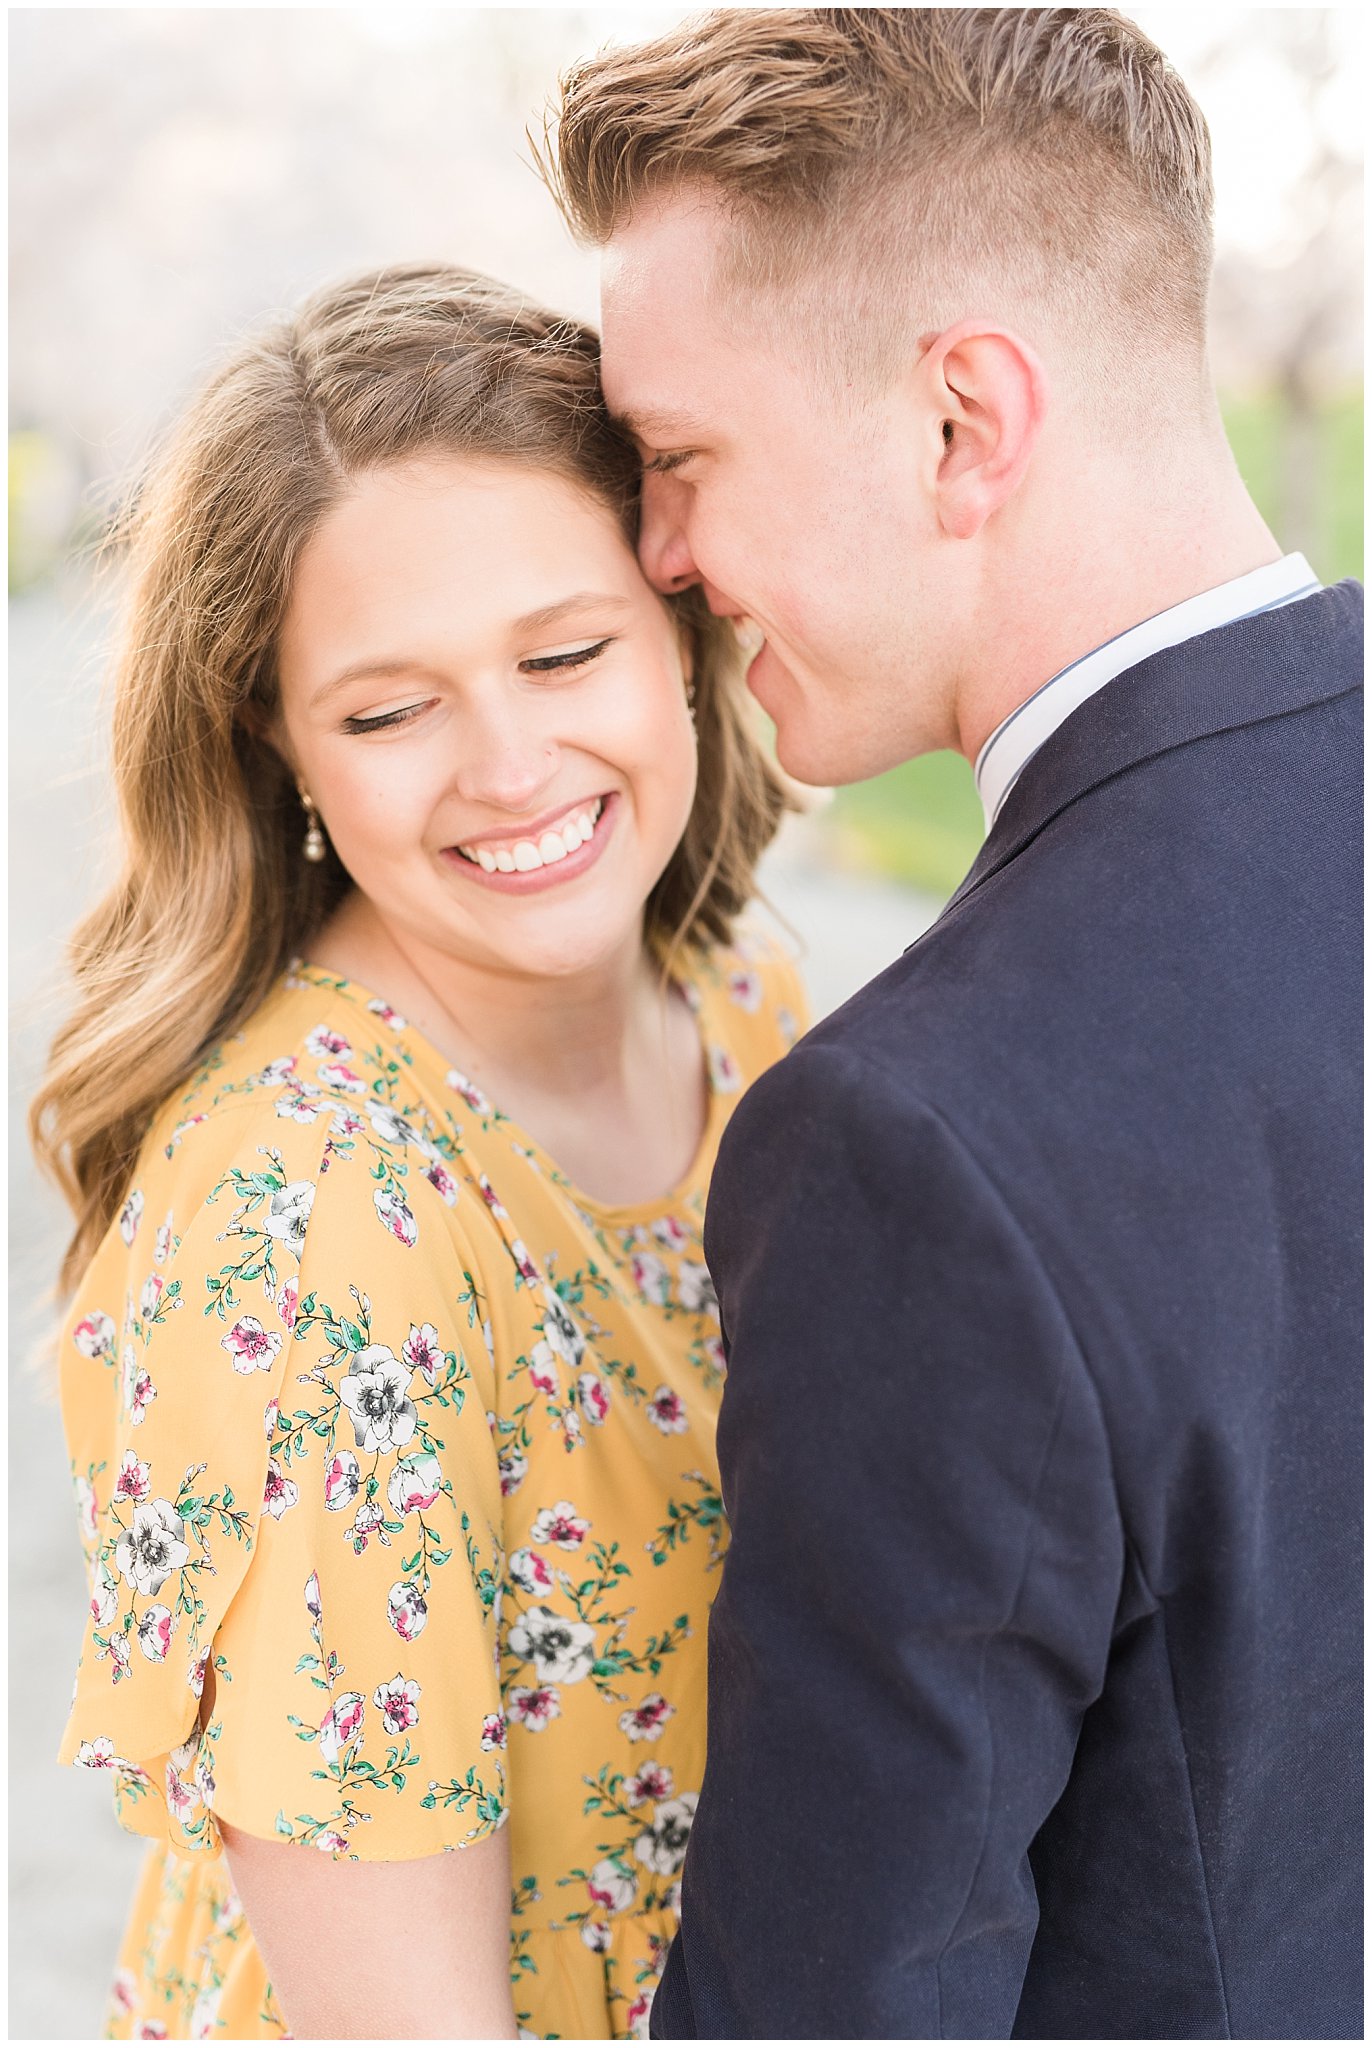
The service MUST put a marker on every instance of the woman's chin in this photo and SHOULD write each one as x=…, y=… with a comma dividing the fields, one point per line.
x=563, y=946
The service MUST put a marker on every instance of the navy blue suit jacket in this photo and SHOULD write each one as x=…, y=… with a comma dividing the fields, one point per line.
x=1035, y=1667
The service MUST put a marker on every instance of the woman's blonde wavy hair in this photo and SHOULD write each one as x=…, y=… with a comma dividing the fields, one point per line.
x=214, y=897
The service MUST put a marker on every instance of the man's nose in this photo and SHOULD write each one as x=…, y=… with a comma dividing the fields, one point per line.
x=662, y=545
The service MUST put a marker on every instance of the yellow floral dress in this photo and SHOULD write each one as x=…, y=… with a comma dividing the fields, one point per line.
x=395, y=1467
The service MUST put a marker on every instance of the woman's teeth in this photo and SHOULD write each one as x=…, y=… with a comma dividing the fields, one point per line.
x=521, y=856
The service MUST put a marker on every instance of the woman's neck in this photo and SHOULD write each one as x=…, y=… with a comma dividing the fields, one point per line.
x=604, y=1067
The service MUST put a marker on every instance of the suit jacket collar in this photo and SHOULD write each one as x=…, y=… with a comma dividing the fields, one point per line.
x=1238, y=675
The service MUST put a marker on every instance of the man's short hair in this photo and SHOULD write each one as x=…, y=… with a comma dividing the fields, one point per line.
x=880, y=164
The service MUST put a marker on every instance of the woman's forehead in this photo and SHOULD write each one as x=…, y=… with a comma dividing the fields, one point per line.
x=452, y=551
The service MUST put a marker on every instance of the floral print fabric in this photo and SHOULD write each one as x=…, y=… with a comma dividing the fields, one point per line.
x=358, y=1374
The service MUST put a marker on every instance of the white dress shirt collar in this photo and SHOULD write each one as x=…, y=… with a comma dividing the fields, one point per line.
x=1018, y=738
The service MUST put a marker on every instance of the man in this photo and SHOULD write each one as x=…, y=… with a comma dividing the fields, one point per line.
x=1035, y=1665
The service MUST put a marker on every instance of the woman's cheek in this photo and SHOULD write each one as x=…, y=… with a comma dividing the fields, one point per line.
x=650, y=711
x=670, y=770
x=662, y=776
x=371, y=819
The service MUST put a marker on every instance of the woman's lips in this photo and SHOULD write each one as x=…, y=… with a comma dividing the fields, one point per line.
x=541, y=845
x=533, y=880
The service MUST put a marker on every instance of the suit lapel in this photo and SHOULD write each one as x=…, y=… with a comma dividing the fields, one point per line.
x=1240, y=674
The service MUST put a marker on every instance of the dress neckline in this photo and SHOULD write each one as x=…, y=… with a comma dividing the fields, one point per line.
x=689, y=1185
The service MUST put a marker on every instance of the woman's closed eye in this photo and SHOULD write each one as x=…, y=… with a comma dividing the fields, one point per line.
x=575, y=657
x=385, y=721
x=571, y=659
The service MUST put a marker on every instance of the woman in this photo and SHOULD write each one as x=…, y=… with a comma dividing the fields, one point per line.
x=392, y=1370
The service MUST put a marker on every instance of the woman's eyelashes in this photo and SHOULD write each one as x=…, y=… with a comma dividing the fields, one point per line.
x=576, y=657
x=386, y=719
x=663, y=465
x=539, y=664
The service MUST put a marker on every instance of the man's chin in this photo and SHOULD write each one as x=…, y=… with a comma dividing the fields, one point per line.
x=775, y=689
x=804, y=755
x=813, y=767
x=766, y=679
x=831, y=759
x=818, y=752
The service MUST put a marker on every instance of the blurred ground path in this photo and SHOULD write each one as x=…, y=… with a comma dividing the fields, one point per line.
x=71, y=1868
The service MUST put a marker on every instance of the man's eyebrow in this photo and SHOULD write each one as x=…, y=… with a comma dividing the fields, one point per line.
x=539, y=621
x=649, y=423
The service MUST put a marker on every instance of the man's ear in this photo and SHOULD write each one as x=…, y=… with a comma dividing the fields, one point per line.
x=987, y=392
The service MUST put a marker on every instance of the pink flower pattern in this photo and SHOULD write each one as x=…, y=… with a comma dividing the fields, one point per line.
x=251, y=1348
x=645, y=1722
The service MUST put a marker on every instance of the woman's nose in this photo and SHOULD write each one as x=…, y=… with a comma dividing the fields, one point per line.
x=663, y=549
x=508, y=761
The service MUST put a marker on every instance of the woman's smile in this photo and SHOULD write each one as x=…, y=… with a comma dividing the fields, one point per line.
x=555, y=848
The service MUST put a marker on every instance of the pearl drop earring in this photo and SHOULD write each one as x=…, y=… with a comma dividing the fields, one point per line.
x=315, y=844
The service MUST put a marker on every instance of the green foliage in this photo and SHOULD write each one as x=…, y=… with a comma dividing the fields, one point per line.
x=1258, y=427
x=922, y=823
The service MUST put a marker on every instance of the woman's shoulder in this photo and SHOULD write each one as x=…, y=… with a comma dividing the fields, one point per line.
x=317, y=1096
x=317, y=1057
x=303, y=1176
x=311, y=1048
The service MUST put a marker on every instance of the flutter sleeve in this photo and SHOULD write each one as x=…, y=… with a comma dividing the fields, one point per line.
x=293, y=1518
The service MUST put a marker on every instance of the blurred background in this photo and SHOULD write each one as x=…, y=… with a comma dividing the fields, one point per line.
x=178, y=173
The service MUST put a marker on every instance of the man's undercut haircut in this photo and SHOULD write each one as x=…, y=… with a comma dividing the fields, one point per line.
x=880, y=165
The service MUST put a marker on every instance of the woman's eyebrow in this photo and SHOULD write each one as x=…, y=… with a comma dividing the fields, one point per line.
x=584, y=600
x=357, y=669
